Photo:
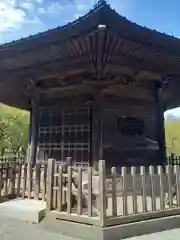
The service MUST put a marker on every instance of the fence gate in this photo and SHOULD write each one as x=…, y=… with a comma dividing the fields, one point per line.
x=65, y=133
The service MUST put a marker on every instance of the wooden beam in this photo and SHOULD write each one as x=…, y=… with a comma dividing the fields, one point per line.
x=109, y=86
x=97, y=151
x=56, y=42
x=143, y=64
x=100, y=49
x=82, y=63
x=34, y=132
x=141, y=39
x=77, y=87
x=160, y=129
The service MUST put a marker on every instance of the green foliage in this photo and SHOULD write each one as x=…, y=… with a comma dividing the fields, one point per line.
x=14, y=124
x=172, y=129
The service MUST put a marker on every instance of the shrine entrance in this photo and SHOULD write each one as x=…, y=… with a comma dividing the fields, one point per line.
x=65, y=133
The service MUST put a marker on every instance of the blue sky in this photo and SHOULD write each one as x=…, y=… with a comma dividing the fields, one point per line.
x=20, y=18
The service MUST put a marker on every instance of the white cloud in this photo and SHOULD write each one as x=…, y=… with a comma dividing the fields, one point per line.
x=15, y=13
x=41, y=10
x=10, y=16
x=27, y=6
x=26, y=15
x=39, y=1
x=54, y=8
x=35, y=20
x=82, y=7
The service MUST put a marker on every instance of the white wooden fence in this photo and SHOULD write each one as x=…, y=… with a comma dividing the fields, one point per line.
x=112, y=200
x=23, y=180
x=95, y=198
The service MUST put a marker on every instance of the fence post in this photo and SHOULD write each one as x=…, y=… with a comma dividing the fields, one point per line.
x=125, y=205
x=102, y=184
x=24, y=174
x=89, y=192
x=37, y=181
x=55, y=183
x=60, y=188
x=170, y=185
x=69, y=191
x=135, y=205
x=114, y=192
x=153, y=196
x=50, y=176
x=44, y=184
x=144, y=199
x=161, y=176
x=29, y=178
x=13, y=179
x=79, y=199
x=177, y=184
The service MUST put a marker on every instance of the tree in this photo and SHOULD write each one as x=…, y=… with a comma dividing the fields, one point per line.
x=14, y=124
x=172, y=129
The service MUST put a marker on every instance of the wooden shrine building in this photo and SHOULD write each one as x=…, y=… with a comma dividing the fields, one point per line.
x=96, y=88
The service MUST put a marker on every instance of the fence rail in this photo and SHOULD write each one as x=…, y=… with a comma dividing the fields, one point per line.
x=112, y=199
x=173, y=160
x=23, y=180
x=97, y=198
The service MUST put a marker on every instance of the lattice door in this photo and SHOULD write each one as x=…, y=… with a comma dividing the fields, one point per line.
x=65, y=133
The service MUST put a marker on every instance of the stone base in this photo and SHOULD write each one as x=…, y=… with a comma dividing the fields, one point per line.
x=87, y=232
x=23, y=209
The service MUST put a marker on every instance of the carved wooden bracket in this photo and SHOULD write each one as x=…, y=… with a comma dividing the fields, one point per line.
x=31, y=91
x=29, y=87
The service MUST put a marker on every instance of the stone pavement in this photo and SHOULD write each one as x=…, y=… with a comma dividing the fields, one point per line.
x=11, y=229
x=15, y=229
x=166, y=235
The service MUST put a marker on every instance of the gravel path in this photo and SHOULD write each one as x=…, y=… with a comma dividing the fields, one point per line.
x=16, y=230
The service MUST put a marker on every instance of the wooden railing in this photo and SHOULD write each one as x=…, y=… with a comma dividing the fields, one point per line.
x=173, y=160
x=110, y=200
x=142, y=196
x=22, y=180
x=75, y=203
x=96, y=198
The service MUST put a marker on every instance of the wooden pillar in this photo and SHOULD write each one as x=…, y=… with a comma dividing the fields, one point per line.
x=160, y=129
x=101, y=155
x=34, y=132
x=97, y=144
x=29, y=136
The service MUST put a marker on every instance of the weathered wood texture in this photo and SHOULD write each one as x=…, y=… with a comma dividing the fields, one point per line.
x=83, y=195
x=122, y=149
x=23, y=180
x=88, y=132
x=101, y=199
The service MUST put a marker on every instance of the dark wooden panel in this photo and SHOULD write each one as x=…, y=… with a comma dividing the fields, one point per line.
x=118, y=148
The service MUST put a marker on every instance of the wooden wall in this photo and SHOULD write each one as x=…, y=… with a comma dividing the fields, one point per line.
x=104, y=139
x=115, y=143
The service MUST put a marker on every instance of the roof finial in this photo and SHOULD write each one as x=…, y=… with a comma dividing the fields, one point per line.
x=100, y=2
